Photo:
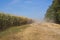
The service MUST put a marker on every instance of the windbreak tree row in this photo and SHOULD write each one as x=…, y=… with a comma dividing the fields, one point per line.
x=53, y=12
x=7, y=21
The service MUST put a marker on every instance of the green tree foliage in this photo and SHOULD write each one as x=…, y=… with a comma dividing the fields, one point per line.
x=7, y=21
x=53, y=12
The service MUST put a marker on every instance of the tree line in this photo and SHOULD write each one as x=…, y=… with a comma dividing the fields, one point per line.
x=53, y=12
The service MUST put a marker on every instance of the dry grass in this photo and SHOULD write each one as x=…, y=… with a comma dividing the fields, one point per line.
x=37, y=31
x=10, y=33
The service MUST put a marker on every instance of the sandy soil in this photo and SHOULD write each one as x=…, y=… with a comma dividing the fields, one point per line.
x=37, y=31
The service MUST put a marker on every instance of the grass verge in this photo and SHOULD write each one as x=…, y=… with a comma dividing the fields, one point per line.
x=13, y=30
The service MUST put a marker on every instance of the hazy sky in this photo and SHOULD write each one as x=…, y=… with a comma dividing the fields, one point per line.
x=28, y=8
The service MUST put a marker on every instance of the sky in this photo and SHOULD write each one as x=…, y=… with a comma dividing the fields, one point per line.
x=35, y=9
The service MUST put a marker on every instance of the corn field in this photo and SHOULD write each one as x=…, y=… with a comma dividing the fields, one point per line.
x=7, y=21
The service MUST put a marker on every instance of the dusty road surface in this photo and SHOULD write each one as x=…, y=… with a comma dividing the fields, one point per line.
x=41, y=31
x=37, y=31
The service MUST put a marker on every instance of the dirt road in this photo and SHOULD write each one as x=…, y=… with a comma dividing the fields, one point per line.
x=41, y=31
x=37, y=31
